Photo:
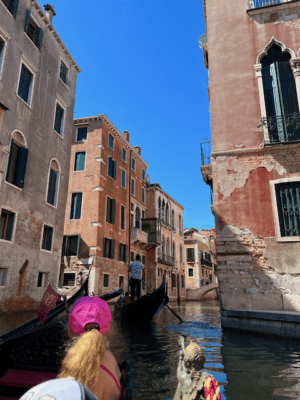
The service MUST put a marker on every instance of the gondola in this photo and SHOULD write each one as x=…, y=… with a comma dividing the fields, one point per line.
x=30, y=353
x=144, y=309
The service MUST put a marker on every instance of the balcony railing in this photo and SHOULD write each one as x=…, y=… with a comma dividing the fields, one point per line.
x=152, y=226
x=165, y=259
x=206, y=262
x=265, y=3
x=205, y=150
x=137, y=235
x=281, y=129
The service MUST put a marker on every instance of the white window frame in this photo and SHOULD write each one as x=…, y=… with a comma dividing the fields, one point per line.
x=190, y=269
x=105, y=273
x=41, y=241
x=84, y=140
x=81, y=170
x=14, y=227
x=44, y=281
x=33, y=70
x=125, y=155
x=37, y=25
x=280, y=238
x=110, y=135
x=123, y=278
x=5, y=37
x=79, y=219
x=67, y=85
x=61, y=135
x=133, y=194
x=124, y=187
x=57, y=184
x=121, y=217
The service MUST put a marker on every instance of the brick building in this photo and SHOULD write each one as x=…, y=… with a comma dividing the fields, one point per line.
x=37, y=92
x=105, y=206
x=169, y=256
x=254, y=170
x=200, y=249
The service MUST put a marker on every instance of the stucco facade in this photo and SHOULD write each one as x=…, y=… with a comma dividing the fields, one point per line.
x=37, y=104
x=254, y=169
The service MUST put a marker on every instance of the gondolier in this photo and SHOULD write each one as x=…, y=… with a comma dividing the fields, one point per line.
x=136, y=276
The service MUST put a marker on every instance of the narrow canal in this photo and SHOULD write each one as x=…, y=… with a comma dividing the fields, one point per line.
x=247, y=367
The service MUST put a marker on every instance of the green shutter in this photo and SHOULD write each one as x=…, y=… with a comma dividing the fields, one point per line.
x=78, y=205
x=113, y=210
x=108, y=210
x=27, y=20
x=13, y=7
x=21, y=167
x=110, y=166
x=81, y=161
x=114, y=169
x=112, y=249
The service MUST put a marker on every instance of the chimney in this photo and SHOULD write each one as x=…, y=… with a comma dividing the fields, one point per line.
x=138, y=149
x=50, y=12
x=127, y=135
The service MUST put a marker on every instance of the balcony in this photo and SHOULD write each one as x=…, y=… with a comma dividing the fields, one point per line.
x=265, y=3
x=281, y=129
x=137, y=235
x=206, y=263
x=206, y=167
x=264, y=6
x=152, y=226
x=165, y=259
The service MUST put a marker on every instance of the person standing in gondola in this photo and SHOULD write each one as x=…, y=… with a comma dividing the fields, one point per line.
x=136, y=276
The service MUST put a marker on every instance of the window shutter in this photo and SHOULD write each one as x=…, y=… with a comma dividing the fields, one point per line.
x=81, y=161
x=39, y=38
x=10, y=174
x=78, y=205
x=52, y=187
x=287, y=88
x=27, y=20
x=49, y=239
x=78, y=245
x=110, y=167
x=13, y=7
x=112, y=249
x=10, y=226
x=268, y=91
x=192, y=254
x=114, y=169
x=21, y=167
x=64, y=245
x=121, y=252
x=113, y=210
x=108, y=210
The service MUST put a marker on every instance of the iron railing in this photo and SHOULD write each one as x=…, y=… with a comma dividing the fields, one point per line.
x=205, y=149
x=165, y=259
x=205, y=262
x=281, y=129
x=265, y=3
x=166, y=223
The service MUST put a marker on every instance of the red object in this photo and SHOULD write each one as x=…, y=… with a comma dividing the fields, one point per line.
x=212, y=389
x=49, y=300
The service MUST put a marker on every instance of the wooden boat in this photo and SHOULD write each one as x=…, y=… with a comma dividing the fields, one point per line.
x=33, y=352
x=144, y=309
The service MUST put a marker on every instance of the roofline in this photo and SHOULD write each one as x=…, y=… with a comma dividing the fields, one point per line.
x=54, y=33
x=103, y=117
x=157, y=185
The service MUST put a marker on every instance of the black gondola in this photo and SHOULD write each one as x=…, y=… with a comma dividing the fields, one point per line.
x=144, y=309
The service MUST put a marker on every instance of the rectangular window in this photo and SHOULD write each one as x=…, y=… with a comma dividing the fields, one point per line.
x=76, y=202
x=173, y=280
x=109, y=248
x=288, y=206
x=190, y=255
x=52, y=187
x=43, y=279
x=111, y=141
x=12, y=6
x=105, y=280
x=131, y=256
x=71, y=245
x=47, y=238
x=69, y=279
x=7, y=222
x=191, y=272
x=133, y=164
x=182, y=281
x=121, y=281
x=82, y=134
x=110, y=210
x=123, y=252
x=33, y=30
x=123, y=179
x=64, y=73
x=143, y=175
x=132, y=187
x=3, y=275
x=124, y=155
x=143, y=195
x=25, y=84
x=112, y=168
x=123, y=217
x=17, y=163
x=79, y=164
x=59, y=119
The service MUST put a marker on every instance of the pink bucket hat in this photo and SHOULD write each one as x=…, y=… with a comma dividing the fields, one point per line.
x=89, y=309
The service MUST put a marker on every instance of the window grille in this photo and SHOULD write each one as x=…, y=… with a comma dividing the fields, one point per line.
x=288, y=204
x=69, y=279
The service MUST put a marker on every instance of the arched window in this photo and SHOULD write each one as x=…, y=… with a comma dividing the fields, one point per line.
x=173, y=219
x=159, y=208
x=163, y=211
x=17, y=161
x=53, y=180
x=137, y=217
x=174, y=251
x=280, y=94
x=167, y=213
x=168, y=247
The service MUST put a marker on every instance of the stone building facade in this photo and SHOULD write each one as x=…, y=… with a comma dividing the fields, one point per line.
x=201, y=265
x=254, y=169
x=169, y=257
x=105, y=206
x=37, y=91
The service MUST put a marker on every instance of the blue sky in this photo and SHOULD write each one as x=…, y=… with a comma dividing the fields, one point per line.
x=142, y=67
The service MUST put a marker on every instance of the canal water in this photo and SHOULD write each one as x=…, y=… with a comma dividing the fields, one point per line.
x=247, y=367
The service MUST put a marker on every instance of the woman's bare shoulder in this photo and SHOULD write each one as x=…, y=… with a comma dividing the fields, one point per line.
x=110, y=362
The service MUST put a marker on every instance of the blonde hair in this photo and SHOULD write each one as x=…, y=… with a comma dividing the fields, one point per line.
x=83, y=360
x=194, y=356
